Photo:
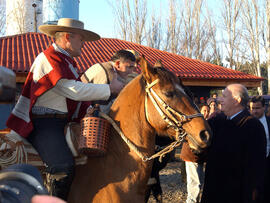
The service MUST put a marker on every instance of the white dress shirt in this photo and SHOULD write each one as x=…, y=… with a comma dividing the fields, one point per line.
x=264, y=122
x=230, y=118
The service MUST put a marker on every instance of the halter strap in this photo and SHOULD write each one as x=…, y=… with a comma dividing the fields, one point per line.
x=170, y=115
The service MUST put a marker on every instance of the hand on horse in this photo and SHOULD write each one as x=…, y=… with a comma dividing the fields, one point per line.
x=116, y=86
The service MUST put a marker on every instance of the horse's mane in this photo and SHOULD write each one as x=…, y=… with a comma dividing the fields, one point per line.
x=165, y=76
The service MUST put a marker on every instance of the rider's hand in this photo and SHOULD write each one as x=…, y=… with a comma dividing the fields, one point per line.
x=116, y=86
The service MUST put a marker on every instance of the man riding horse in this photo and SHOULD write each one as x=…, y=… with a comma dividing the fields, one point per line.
x=50, y=98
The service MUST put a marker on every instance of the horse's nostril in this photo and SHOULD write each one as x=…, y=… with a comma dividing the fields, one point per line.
x=205, y=136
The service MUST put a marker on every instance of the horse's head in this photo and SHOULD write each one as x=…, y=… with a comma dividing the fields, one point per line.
x=170, y=110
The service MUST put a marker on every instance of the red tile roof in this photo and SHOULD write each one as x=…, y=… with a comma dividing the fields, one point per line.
x=19, y=51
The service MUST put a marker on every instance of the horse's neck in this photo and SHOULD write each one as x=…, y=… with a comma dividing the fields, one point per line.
x=128, y=110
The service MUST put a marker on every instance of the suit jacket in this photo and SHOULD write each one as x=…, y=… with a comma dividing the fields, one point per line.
x=268, y=124
x=267, y=174
x=236, y=160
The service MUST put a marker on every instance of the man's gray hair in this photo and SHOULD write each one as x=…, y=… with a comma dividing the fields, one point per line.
x=240, y=91
x=58, y=35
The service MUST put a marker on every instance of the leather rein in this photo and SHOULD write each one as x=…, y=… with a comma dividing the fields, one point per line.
x=169, y=115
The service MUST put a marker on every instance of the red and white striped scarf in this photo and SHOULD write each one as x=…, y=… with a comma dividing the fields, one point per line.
x=48, y=68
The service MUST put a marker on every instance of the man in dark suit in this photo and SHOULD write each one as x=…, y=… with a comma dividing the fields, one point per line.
x=257, y=109
x=236, y=159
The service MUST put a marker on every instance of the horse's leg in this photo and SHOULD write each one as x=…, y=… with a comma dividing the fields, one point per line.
x=152, y=180
x=157, y=190
x=155, y=186
x=147, y=193
x=183, y=172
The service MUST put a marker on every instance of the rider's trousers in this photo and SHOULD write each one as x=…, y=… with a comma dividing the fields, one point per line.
x=49, y=140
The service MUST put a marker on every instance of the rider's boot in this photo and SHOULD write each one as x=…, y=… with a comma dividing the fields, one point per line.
x=59, y=184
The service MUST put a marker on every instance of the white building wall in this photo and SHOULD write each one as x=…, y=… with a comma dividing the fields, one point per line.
x=2, y=17
x=20, y=16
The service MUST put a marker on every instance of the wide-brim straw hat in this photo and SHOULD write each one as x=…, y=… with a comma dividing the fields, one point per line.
x=69, y=25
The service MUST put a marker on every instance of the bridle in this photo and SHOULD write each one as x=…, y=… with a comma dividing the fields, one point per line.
x=173, y=118
x=169, y=115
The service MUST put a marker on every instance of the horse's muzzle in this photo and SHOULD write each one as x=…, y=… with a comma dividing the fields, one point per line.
x=200, y=143
x=205, y=137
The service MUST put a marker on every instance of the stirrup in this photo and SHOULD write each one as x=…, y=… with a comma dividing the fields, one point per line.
x=51, y=179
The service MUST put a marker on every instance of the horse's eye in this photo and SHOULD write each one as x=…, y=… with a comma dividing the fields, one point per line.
x=170, y=94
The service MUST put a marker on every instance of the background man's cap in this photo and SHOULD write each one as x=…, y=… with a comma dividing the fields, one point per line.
x=69, y=25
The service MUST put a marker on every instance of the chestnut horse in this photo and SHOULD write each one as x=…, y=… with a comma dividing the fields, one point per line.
x=152, y=103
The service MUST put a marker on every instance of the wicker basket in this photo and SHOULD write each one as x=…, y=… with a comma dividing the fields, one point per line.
x=94, y=136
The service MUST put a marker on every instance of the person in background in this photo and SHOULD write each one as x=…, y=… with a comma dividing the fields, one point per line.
x=122, y=63
x=194, y=172
x=213, y=106
x=268, y=109
x=257, y=109
x=236, y=158
x=137, y=57
x=204, y=109
x=134, y=73
x=218, y=105
x=214, y=95
x=51, y=97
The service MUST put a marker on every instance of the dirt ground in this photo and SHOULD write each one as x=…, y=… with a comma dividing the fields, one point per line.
x=173, y=183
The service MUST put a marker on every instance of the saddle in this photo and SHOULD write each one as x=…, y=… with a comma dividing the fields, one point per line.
x=15, y=149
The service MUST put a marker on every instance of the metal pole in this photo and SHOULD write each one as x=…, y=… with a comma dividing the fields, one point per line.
x=35, y=17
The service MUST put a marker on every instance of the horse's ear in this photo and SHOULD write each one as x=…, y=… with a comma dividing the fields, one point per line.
x=186, y=89
x=158, y=64
x=180, y=81
x=146, y=68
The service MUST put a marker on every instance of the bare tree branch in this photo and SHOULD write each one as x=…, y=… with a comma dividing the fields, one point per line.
x=154, y=32
x=172, y=40
x=15, y=18
x=252, y=34
x=266, y=37
x=131, y=18
x=230, y=18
